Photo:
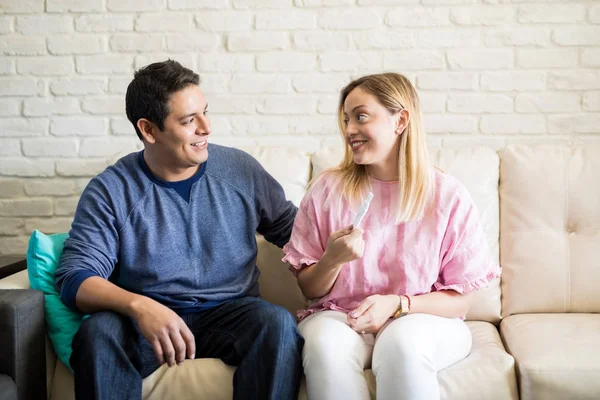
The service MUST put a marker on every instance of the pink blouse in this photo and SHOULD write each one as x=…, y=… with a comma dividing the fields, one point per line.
x=444, y=250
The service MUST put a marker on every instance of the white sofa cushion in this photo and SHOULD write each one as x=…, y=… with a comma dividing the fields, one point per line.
x=477, y=169
x=557, y=355
x=550, y=214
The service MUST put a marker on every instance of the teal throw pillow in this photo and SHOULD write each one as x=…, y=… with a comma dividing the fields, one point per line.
x=62, y=323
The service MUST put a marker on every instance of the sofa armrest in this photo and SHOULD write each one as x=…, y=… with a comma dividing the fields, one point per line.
x=22, y=335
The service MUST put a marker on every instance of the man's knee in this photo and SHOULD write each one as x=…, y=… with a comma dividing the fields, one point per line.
x=278, y=323
x=101, y=327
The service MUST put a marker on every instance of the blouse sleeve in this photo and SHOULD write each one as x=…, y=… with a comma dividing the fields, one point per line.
x=309, y=239
x=466, y=261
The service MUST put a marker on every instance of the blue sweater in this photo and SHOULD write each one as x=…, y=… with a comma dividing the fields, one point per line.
x=147, y=239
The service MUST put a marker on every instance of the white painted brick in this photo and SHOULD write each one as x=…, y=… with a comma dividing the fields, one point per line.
x=591, y=57
x=164, y=22
x=218, y=62
x=101, y=105
x=320, y=83
x=46, y=106
x=23, y=127
x=78, y=86
x=554, y=13
x=418, y=17
x=76, y=44
x=44, y=24
x=80, y=185
x=104, y=64
x=259, y=125
x=12, y=226
x=19, y=45
x=14, y=245
x=574, y=80
x=512, y=36
x=221, y=126
x=78, y=126
x=331, y=141
x=286, y=20
x=482, y=16
x=259, y=84
x=413, y=60
x=122, y=127
x=10, y=107
x=224, y=104
x=547, y=58
x=104, y=23
x=384, y=39
x=261, y=41
x=10, y=188
x=447, y=38
x=350, y=61
x=513, y=123
x=436, y=123
x=49, y=187
x=193, y=41
x=432, y=102
x=286, y=62
x=215, y=83
x=119, y=85
x=579, y=123
x=304, y=144
x=22, y=6
x=322, y=41
x=245, y=4
x=349, y=19
x=10, y=147
x=491, y=142
x=313, y=125
x=7, y=66
x=25, y=207
x=6, y=25
x=224, y=21
x=49, y=225
x=447, y=81
x=135, y=5
x=49, y=147
x=136, y=43
x=521, y=81
x=46, y=66
x=66, y=206
x=480, y=59
x=548, y=102
x=197, y=4
x=595, y=14
x=24, y=167
x=591, y=101
x=328, y=105
x=538, y=140
x=480, y=104
x=187, y=60
x=65, y=6
x=286, y=105
x=323, y=3
x=108, y=147
x=584, y=36
x=385, y=2
x=80, y=168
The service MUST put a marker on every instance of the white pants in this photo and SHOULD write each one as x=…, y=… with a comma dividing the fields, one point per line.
x=405, y=356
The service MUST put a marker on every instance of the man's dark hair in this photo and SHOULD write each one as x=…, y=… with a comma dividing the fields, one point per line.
x=149, y=92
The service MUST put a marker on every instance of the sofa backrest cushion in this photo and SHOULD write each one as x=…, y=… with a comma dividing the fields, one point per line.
x=477, y=169
x=550, y=244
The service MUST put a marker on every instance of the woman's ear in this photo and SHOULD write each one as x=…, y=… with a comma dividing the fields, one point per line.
x=146, y=127
x=402, y=120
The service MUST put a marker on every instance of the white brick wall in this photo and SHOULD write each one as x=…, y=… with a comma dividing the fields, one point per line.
x=489, y=72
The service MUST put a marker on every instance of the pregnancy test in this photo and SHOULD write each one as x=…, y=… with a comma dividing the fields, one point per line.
x=362, y=210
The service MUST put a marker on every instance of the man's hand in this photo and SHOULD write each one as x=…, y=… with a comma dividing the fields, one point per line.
x=345, y=245
x=170, y=337
x=373, y=313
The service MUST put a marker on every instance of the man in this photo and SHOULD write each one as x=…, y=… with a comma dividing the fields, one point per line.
x=162, y=254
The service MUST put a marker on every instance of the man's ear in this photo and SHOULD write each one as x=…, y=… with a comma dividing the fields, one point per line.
x=148, y=130
x=402, y=120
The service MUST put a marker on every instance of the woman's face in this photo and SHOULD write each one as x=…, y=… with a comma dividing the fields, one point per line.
x=371, y=131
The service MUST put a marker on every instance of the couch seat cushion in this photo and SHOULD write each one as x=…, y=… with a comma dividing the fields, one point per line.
x=557, y=355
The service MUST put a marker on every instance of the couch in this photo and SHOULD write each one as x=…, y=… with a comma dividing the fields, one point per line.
x=536, y=331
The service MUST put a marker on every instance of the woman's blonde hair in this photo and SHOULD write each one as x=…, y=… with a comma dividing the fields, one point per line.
x=415, y=187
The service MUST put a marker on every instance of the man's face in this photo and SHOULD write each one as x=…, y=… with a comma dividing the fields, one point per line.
x=184, y=140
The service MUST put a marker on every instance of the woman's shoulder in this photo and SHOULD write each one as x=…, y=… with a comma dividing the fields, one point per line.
x=448, y=189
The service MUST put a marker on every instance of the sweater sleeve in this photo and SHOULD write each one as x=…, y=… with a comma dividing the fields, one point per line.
x=92, y=246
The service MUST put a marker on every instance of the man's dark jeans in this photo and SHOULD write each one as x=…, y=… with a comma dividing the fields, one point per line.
x=110, y=357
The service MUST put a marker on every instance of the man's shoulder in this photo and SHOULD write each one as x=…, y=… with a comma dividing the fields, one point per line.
x=125, y=172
